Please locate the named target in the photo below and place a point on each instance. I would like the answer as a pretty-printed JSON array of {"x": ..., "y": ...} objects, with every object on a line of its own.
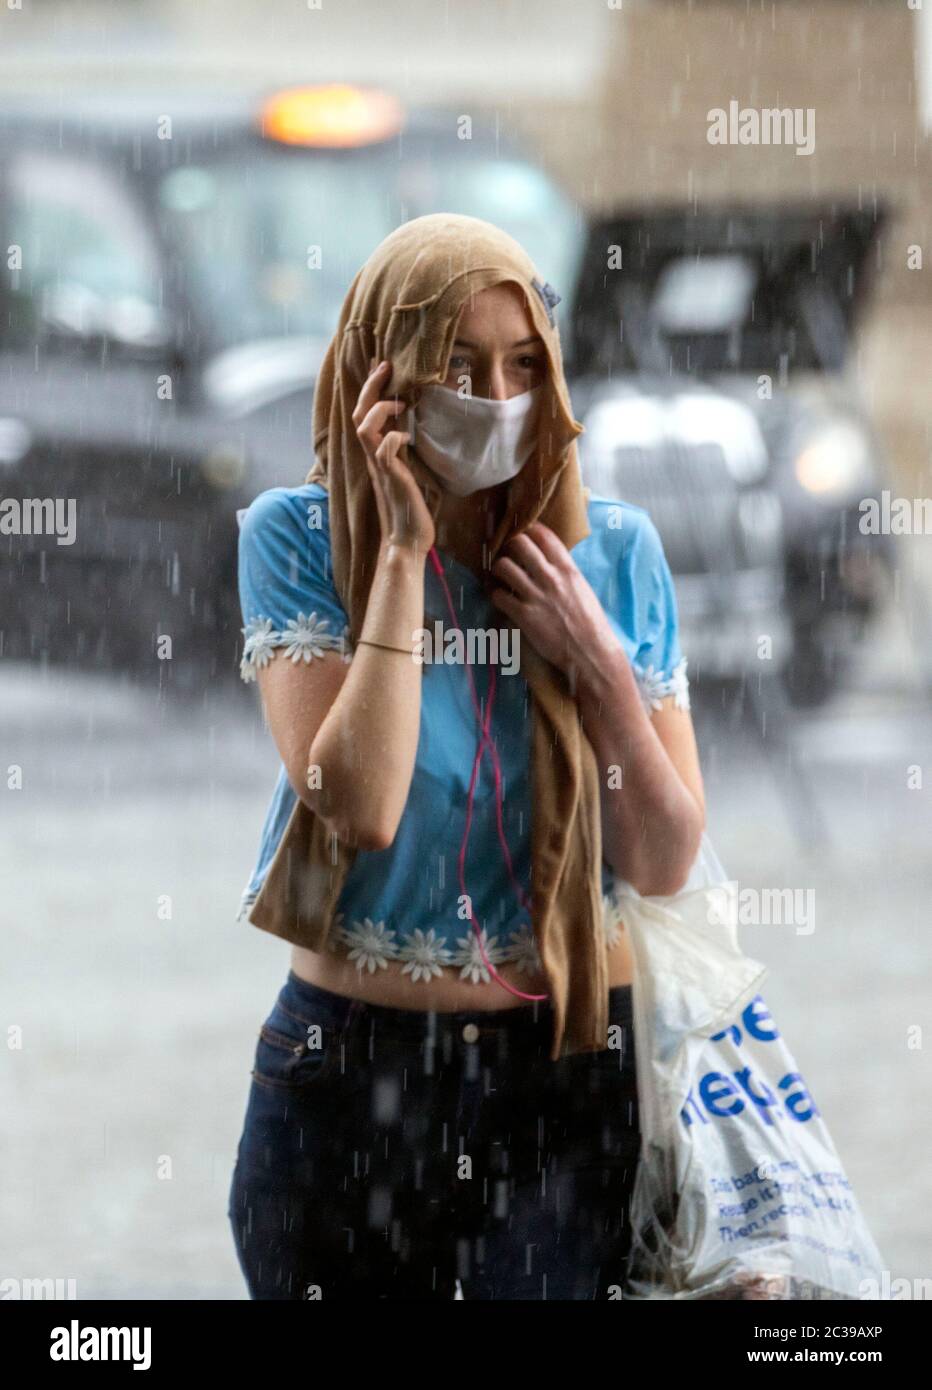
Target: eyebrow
[{"x": 522, "y": 342}]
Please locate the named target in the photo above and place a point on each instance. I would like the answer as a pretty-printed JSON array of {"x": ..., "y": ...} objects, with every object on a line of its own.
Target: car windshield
[
  {"x": 712, "y": 294},
  {"x": 725, "y": 290},
  {"x": 272, "y": 240}
]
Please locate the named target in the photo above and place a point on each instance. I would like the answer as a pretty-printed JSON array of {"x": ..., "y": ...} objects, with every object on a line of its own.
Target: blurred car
[
  {"x": 706, "y": 354},
  {"x": 176, "y": 269}
]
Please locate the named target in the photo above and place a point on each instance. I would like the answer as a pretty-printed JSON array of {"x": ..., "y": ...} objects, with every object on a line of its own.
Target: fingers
[
  {"x": 369, "y": 432},
  {"x": 387, "y": 451},
  {"x": 550, "y": 544},
  {"x": 515, "y": 577},
  {"x": 509, "y": 605},
  {"x": 371, "y": 390},
  {"x": 526, "y": 553},
  {"x": 372, "y": 413}
]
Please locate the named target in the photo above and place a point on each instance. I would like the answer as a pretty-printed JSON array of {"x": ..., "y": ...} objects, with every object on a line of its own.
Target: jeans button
[{"x": 470, "y": 1033}]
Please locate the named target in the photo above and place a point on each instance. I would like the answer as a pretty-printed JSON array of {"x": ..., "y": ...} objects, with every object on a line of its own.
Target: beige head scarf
[{"x": 403, "y": 306}]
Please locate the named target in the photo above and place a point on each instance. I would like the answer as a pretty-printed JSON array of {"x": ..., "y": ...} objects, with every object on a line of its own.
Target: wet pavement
[{"x": 139, "y": 996}]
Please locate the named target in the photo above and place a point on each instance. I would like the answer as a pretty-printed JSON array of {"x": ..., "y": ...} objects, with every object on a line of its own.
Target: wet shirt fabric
[{"x": 404, "y": 903}]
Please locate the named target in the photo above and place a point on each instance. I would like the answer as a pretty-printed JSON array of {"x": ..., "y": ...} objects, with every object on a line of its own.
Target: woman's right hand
[{"x": 403, "y": 514}]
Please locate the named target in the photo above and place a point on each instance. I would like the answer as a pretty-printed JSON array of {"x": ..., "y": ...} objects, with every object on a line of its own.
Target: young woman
[{"x": 471, "y": 670}]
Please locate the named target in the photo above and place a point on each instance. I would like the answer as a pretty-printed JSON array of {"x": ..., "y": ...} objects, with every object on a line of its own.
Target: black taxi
[{"x": 175, "y": 269}]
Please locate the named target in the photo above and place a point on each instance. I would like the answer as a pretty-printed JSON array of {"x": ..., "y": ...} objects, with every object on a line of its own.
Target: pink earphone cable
[{"x": 485, "y": 740}]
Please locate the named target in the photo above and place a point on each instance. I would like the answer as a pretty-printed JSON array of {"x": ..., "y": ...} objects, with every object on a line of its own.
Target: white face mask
[{"x": 472, "y": 442}]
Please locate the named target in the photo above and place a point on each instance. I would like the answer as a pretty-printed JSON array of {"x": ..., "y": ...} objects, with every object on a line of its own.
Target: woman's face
[{"x": 497, "y": 347}]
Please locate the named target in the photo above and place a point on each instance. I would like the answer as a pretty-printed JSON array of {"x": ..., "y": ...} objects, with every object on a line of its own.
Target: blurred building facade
[{"x": 864, "y": 67}]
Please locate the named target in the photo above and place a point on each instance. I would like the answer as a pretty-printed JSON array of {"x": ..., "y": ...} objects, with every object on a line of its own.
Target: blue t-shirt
[{"x": 404, "y": 903}]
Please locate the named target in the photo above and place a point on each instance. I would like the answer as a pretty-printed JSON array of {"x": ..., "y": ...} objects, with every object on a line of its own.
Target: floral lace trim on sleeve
[
  {"x": 246, "y": 904},
  {"x": 655, "y": 686},
  {"x": 302, "y": 637}
]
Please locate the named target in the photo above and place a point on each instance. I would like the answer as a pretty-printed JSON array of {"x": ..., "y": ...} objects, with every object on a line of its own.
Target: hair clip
[{"x": 549, "y": 297}]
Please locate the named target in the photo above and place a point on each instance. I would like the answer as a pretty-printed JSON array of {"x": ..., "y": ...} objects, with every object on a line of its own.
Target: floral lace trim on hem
[
  {"x": 303, "y": 638},
  {"x": 371, "y": 945},
  {"x": 655, "y": 687}
]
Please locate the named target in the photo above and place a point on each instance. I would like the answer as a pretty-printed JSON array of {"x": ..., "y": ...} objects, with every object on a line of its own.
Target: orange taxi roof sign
[{"x": 333, "y": 115}]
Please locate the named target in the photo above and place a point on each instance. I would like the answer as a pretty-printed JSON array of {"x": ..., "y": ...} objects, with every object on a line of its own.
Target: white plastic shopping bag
[{"x": 740, "y": 1192}]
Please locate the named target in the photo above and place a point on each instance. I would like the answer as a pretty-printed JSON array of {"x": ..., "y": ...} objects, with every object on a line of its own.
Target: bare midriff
[{"x": 334, "y": 971}]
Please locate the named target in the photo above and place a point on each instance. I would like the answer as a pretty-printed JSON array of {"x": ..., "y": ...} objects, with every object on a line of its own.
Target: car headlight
[{"x": 836, "y": 462}]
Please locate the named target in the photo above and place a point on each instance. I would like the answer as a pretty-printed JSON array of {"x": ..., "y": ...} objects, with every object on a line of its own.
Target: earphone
[{"x": 486, "y": 739}]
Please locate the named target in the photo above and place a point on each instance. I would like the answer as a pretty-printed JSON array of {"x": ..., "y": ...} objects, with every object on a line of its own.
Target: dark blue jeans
[{"x": 388, "y": 1153}]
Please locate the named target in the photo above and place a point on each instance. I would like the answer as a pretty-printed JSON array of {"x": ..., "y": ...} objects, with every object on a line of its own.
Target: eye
[{"x": 531, "y": 362}]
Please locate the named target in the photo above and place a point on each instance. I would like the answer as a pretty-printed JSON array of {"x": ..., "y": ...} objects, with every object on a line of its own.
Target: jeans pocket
[{"x": 295, "y": 1052}]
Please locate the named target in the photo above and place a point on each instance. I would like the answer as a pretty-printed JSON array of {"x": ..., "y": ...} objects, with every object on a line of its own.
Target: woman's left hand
[
  {"x": 651, "y": 832},
  {"x": 552, "y": 603}
]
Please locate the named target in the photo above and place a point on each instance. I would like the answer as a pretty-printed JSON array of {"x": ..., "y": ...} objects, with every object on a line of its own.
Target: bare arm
[
  {"x": 355, "y": 728},
  {"x": 654, "y": 813},
  {"x": 348, "y": 735}
]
